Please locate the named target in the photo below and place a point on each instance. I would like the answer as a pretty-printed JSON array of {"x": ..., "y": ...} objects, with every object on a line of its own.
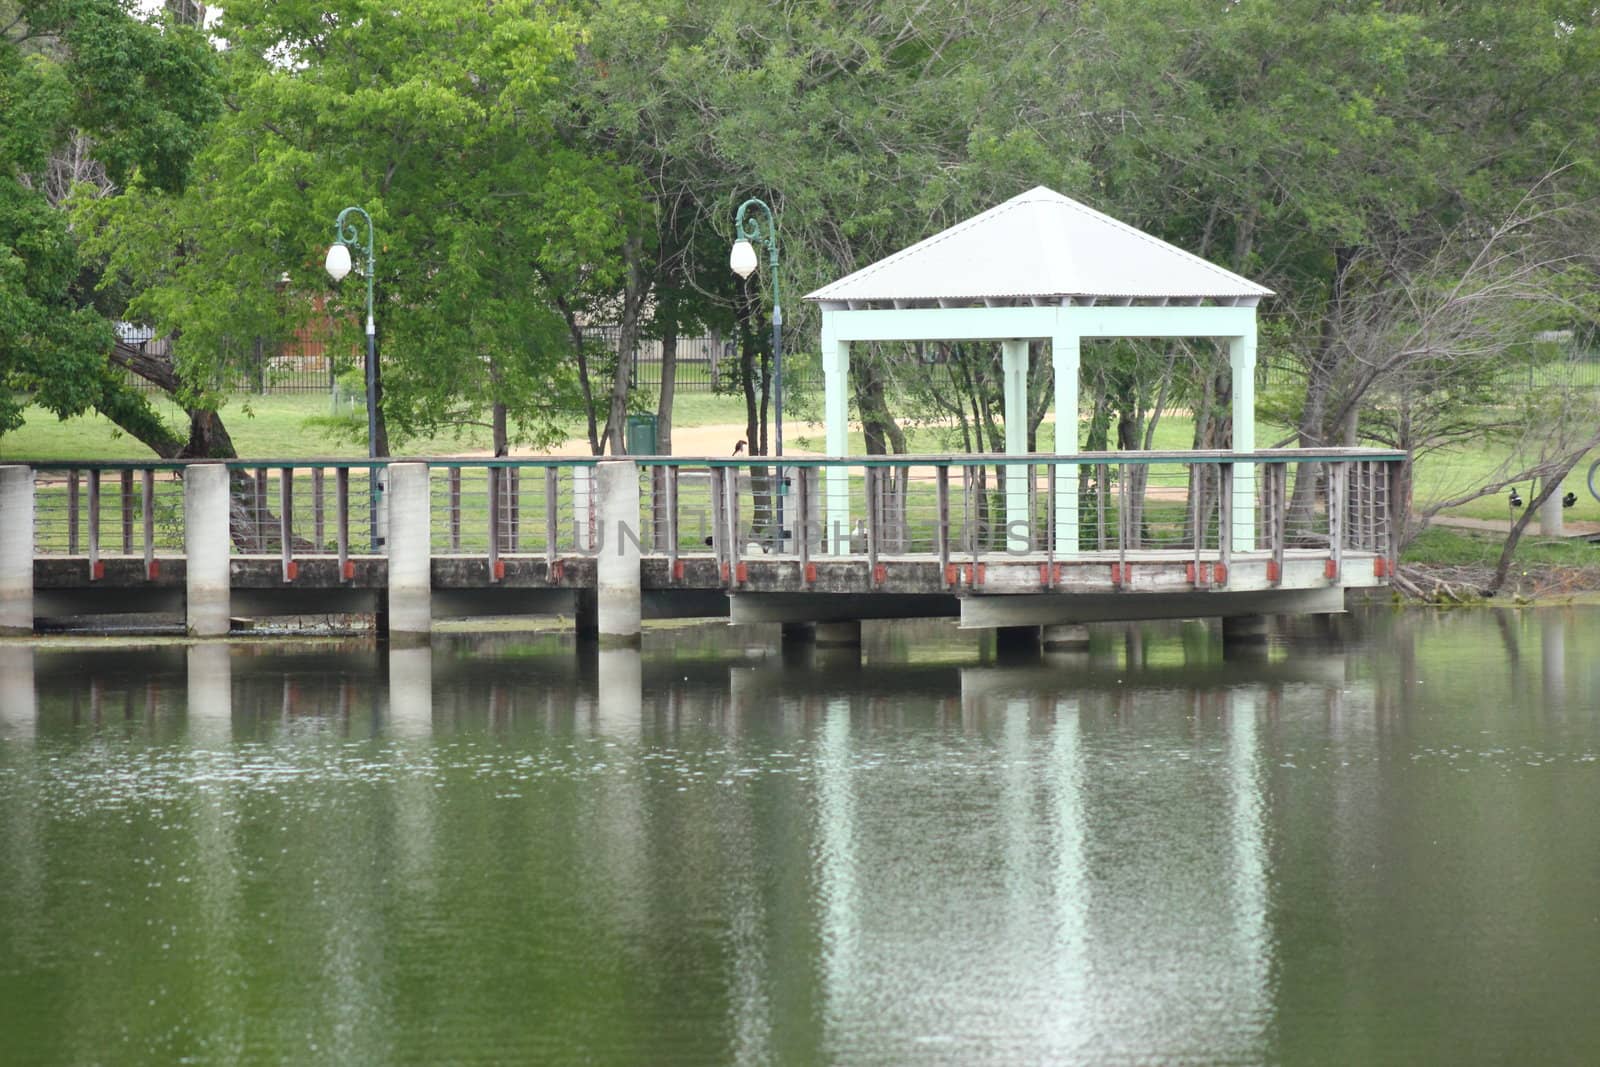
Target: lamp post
[
  {"x": 346, "y": 237},
  {"x": 743, "y": 260}
]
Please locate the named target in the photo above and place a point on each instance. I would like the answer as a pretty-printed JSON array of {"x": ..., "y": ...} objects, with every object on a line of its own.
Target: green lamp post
[
  {"x": 346, "y": 237},
  {"x": 751, "y": 229}
]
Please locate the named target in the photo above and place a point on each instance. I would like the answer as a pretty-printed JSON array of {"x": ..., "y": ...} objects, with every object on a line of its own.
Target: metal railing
[{"x": 1204, "y": 506}]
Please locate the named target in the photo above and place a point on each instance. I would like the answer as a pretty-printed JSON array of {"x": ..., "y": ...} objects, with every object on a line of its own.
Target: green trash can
[{"x": 639, "y": 435}]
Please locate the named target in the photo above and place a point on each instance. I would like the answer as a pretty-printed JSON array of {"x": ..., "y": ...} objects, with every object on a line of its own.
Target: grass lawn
[
  {"x": 285, "y": 426},
  {"x": 294, "y": 426},
  {"x": 1464, "y": 548},
  {"x": 1447, "y": 473}
]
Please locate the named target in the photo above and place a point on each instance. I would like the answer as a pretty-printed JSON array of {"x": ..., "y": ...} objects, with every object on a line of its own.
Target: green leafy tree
[
  {"x": 436, "y": 120},
  {"x": 89, "y": 92}
]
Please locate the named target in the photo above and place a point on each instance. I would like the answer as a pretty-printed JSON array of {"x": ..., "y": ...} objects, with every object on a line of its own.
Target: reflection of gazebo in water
[{"x": 1042, "y": 266}]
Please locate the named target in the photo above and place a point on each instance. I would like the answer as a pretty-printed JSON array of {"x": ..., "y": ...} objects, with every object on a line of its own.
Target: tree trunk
[
  {"x": 1548, "y": 484},
  {"x": 633, "y": 296},
  {"x": 669, "y": 385},
  {"x": 208, "y": 437}
]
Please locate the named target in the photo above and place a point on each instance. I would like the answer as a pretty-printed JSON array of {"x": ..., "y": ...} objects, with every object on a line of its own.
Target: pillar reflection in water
[
  {"x": 619, "y": 706},
  {"x": 210, "y": 695},
  {"x": 19, "y": 705},
  {"x": 1553, "y": 659},
  {"x": 1073, "y": 1027},
  {"x": 411, "y": 692},
  {"x": 836, "y": 869},
  {"x": 1252, "y": 943}
]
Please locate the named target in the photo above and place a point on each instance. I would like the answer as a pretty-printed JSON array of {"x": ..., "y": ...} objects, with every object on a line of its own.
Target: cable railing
[{"x": 1205, "y": 507}]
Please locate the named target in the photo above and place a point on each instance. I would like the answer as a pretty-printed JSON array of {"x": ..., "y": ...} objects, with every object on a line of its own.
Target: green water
[{"x": 1375, "y": 844}]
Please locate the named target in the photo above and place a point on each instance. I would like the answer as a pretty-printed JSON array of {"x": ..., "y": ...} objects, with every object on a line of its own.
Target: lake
[{"x": 1372, "y": 840}]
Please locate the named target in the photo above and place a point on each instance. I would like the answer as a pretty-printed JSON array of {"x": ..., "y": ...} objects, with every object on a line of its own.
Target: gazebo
[{"x": 1041, "y": 266}]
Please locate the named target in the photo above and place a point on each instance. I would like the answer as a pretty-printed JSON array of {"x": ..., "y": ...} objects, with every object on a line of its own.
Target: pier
[{"x": 996, "y": 541}]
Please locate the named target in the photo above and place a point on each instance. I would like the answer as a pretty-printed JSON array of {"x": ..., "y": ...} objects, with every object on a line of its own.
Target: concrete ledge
[
  {"x": 838, "y": 607},
  {"x": 1046, "y": 609}
]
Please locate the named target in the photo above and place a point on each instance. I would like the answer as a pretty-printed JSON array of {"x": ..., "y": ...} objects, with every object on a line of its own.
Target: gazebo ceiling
[{"x": 1039, "y": 248}]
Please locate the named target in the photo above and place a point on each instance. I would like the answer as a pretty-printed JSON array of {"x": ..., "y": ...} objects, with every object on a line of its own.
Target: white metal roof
[{"x": 1039, "y": 245}]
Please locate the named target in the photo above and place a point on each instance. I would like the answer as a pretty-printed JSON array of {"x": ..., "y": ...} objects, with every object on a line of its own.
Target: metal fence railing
[
  {"x": 1117, "y": 506},
  {"x": 310, "y": 362}
]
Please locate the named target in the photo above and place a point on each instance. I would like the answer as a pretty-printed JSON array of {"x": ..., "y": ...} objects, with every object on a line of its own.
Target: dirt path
[{"x": 1502, "y": 526}]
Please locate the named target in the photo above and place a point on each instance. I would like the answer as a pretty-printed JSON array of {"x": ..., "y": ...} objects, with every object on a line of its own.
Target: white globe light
[
  {"x": 742, "y": 259},
  {"x": 338, "y": 263}
]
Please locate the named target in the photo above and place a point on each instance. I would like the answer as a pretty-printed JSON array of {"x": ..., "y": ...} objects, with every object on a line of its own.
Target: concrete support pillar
[
  {"x": 206, "y": 544},
  {"x": 1244, "y": 630},
  {"x": 1552, "y": 523},
  {"x": 1014, "y": 368},
  {"x": 845, "y": 634},
  {"x": 799, "y": 633},
  {"x": 617, "y": 596},
  {"x": 836, "y": 417},
  {"x": 1017, "y": 644},
  {"x": 1066, "y": 637},
  {"x": 1242, "y": 359},
  {"x": 16, "y": 550},
  {"x": 411, "y": 692},
  {"x": 410, "y": 551},
  {"x": 585, "y": 615},
  {"x": 1065, "y": 363}
]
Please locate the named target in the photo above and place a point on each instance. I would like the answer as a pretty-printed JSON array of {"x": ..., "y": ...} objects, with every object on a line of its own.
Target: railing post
[
  {"x": 1337, "y": 472},
  {"x": 341, "y": 507},
  {"x": 552, "y": 515},
  {"x": 72, "y": 513},
  {"x": 94, "y": 524},
  {"x": 206, "y": 543},
  {"x": 410, "y": 550},
  {"x": 494, "y": 522},
  {"x": 1225, "y": 513},
  {"x": 1278, "y": 495},
  {"x": 942, "y": 526},
  {"x": 730, "y": 512},
  {"x": 513, "y": 499},
  {"x": 147, "y": 493},
  {"x": 319, "y": 513},
  {"x": 455, "y": 509},
  {"x": 719, "y": 526},
  {"x": 258, "y": 507},
  {"x": 1197, "y": 530},
  {"x": 670, "y": 477},
  {"x": 1123, "y": 520},
  {"x": 286, "y": 522},
  {"x": 874, "y": 482},
  {"x": 16, "y": 550}
]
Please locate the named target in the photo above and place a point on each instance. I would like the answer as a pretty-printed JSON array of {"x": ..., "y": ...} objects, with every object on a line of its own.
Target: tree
[
  {"x": 91, "y": 94},
  {"x": 439, "y": 125}
]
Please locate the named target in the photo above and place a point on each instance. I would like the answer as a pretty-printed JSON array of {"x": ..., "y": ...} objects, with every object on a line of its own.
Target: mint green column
[
  {"x": 1242, "y": 358},
  {"x": 836, "y": 415},
  {"x": 1014, "y": 367},
  {"x": 1064, "y": 359}
]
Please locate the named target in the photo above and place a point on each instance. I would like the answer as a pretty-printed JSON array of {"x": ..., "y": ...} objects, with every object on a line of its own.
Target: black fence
[
  {"x": 1579, "y": 370},
  {"x": 309, "y": 363}
]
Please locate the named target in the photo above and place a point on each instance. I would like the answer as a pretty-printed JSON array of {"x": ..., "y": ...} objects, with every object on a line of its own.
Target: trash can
[{"x": 639, "y": 435}]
